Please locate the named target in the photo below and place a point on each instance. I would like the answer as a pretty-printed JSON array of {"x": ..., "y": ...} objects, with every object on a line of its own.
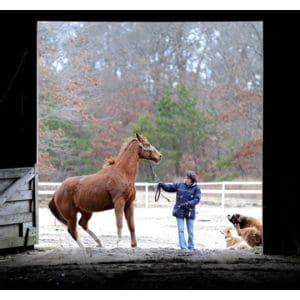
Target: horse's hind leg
[
  {"x": 72, "y": 229},
  {"x": 130, "y": 223},
  {"x": 85, "y": 216}
]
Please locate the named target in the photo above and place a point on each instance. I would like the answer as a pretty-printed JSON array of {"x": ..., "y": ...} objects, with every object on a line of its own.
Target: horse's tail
[{"x": 55, "y": 211}]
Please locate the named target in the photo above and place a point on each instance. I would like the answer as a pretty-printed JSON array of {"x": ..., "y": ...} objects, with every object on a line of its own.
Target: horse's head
[{"x": 147, "y": 151}]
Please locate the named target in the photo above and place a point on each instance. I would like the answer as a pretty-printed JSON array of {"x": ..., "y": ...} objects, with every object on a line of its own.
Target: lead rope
[{"x": 158, "y": 188}]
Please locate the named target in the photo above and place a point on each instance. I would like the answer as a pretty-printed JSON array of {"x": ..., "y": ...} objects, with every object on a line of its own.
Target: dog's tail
[{"x": 55, "y": 212}]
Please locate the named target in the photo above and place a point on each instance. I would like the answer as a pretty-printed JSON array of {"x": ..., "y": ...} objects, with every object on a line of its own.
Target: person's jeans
[{"x": 190, "y": 230}]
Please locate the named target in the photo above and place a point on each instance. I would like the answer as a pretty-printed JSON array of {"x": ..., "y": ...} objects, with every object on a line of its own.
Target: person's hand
[
  {"x": 185, "y": 205},
  {"x": 159, "y": 184}
]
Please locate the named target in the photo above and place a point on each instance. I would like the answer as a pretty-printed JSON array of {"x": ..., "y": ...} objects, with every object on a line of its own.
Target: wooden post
[
  {"x": 223, "y": 195},
  {"x": 146, "y": 195}
]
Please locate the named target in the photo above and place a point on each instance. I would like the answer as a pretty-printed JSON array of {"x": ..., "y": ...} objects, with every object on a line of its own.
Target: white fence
[{"x": 219, "y": 188}]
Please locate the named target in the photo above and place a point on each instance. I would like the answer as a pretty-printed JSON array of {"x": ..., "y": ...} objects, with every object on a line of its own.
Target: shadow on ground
[{"x": 154, "y": 268}]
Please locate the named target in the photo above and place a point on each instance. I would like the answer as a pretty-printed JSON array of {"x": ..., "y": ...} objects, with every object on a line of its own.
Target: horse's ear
[{"x": 138, "y": 137}]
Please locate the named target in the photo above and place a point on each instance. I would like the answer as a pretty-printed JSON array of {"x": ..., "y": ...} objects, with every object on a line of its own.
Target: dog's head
[
  {"x": 235, "y": 218},
  {"x": 227, "y": 232}
]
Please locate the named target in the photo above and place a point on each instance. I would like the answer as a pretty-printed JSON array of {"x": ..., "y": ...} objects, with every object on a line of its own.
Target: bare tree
[{"x": 100, "y": 76}]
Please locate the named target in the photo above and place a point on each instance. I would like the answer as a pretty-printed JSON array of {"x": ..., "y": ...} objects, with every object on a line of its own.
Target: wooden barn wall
[
  {"x": 18, "y": 127},
  {"x": 18, "y": 101},
  {"x": 18, "y": 208}
]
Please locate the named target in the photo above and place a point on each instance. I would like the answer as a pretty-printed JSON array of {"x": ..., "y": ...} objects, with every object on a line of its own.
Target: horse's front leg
[
  {"x": 130, "y": 223},
  {"x": 119, "y": 204}
]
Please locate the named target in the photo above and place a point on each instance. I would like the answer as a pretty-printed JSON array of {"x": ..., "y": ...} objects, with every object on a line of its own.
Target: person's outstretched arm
[{"x": 168, "y": 187}]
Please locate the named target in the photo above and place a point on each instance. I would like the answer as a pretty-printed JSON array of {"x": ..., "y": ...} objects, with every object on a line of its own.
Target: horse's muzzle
[{"x": 158, "y": 161}]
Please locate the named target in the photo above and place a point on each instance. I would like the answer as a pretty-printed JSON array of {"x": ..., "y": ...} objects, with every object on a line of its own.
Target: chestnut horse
[{"x": 111, "y": 187}]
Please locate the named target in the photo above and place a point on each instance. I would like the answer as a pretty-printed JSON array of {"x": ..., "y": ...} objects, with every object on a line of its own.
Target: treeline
[{"x": 194, "y": 89}]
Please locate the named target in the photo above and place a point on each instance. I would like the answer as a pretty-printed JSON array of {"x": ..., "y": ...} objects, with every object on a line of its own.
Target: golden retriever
[
  {"x": 249, "y": 228},
  {"x": 234, "y": 242}
]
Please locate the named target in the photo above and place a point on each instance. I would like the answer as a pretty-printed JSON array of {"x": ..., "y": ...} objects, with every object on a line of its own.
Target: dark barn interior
[{"x": 281, "y": 221}]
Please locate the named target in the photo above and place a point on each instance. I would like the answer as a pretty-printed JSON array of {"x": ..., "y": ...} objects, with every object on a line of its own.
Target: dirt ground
[
  {"x": 155, "y": 228},
  {"x": 157, "y": 263}
]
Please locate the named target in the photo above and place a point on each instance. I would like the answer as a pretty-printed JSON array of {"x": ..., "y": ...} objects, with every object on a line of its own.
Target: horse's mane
[
  {"x": 112, "y": 160},
  {"x": 126, "y": 144},
  {"x": 108, "y": 162}
]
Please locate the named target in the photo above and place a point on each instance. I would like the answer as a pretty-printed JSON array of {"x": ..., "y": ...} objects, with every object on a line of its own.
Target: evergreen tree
[{"x": 180, "y": 131}]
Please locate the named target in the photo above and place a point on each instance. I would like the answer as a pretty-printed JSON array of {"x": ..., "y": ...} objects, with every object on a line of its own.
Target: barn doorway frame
[{"x": 280, "y": 206}]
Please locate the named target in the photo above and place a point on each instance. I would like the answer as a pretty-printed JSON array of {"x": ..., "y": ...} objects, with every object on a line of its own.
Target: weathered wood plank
[
  {"x": 23, "y": 227},
  {"x": 15, "y": 207},
  {"x": 5, "y": 183},
  {"x": 16, "y": 242},
  {"x": 14, "y": 172},
  {"x": 20, "y": 196},
  {"x": 17, "y": 185},
  {"x": 12, "y": 230},
  {"x": 18, "y": 207},
  {"x": 16, "y": 218},
  {"x": 35, "y": 205}
]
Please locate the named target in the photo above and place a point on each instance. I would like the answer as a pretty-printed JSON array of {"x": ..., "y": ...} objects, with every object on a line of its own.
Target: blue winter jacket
[{"x": 186, "y": 194}]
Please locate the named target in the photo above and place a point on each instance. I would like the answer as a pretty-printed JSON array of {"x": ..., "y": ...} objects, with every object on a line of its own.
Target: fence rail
[{"x": 221, "y": 190}]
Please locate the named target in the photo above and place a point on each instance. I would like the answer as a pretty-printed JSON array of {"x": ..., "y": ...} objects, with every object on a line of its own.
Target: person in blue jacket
[{"x": 187, "y": 197}]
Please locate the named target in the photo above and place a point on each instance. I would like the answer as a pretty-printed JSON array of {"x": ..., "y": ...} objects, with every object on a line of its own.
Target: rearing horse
[{"x": 111, "y": 187}]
